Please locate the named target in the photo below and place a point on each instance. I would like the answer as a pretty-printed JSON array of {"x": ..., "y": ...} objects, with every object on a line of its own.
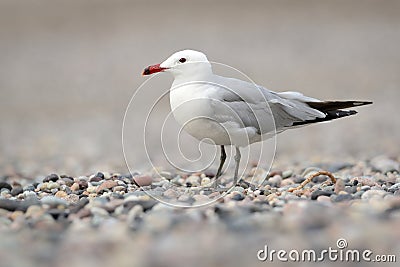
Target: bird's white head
[{"x": 189, "y": 63}]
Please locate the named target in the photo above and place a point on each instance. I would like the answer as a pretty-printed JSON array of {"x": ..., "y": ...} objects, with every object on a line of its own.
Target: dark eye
[{"x": 182, "y": 60}]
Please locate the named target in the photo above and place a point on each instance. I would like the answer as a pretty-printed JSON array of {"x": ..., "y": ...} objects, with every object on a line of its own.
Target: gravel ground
[{"x": 105, "y": 219}]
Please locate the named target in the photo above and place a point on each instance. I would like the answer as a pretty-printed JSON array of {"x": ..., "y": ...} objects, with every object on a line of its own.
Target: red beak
[{"x": 153, "y": 69}]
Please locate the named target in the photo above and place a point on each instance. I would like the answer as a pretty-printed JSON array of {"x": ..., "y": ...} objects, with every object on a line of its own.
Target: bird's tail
[
  {"x": 325, "y": 106},
  {"x": 333, "y": 110}
]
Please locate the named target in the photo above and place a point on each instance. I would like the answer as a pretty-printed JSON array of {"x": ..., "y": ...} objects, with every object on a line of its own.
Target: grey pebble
[
  {"x": 238, "y": 189},
  {"x": 384, "y": 164},
  {"x": 146, "y": 202},
  {"x": 287, "y": 174},
  {"x": 317, "y": 193},
  {"x": 53, "y": 201},
  {"x": 373, "y": 193},
  {"x": 365, "y": 188},
  {"x": 298, "y": 179},
  {"x": 68, "y": 181},
  {"x": 16, "y": 191},
  {"x": 341, "y": 197},
  {"x": 275, "y": 181},
  {"x": 351, "y": 189},
  {"x": 358, "y": 194},
  {"x": 238, "y": 196},
  {"x": 12, "y": 205},
  {"x": 334, "y": 167},
  {"x": 79, "y": 205},
  {"x": 97, "y": 211},
  {"x": 394, "y": 188},
  {"x": 5, "y": 185},
  {"x": 330, "y": 188},
  {"x": 166, "y": 175}
]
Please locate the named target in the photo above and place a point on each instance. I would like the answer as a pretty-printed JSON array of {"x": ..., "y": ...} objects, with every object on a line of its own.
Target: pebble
[
  {"x": 186, "y": 199},
  {"x": 287, "y": 182},
  {"x": 52, "y": 177},
  {"x": 339, "y": 186},
  {"x": 53, "y": 201},
  {"x": 143, "y": 180},
  {"x": 201, "y": 199},
  {"x": 29, "y": 187},
  {"x": 323, "y": 198},
  {"x": 237, "y": 196},
  {"x": 97, "y": 211},
  {"x": 119, "y": 188},
  {"x": 83, "y": 184},
  {"x": 365, "y": 187},
  {"x": 68, "y": 181},
  {"x": 61, "y": 194},
  {"x": 34, "y": 211},
  {"x": 238, "y": 189},
  {"x": 391, "y": 189},
  {"x": 106, "y": 185},
  {"x": 166, "y": 175},
  {"x": 16, "y": 191},
  {"x": 341, "y": 197},
  {"x": 385, "y": 164},
  {"x": 317, "y": 193},
  {"x": 75, "y": 187},
  {"x": 95, "y": 179},
  {"x": 373, "y": 193},
  {"x": 193, "y": 180},
  {"x": 5, "y": 185},
  {"x": 275, "y": 181},
  {"x": 205, "y": 181},
  {"x": 287, "y": 174},
  {"x": 52, "y": 185},
  {"x": 170, "y": 193},
  {"x": 14, "y": 215},
  {"x": 145, "y": 202}
]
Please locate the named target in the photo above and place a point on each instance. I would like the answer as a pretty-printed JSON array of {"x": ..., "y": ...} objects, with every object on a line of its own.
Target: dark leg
[
  {"x": 237, "y": 160},
  {"x": 221, "y": 164}
]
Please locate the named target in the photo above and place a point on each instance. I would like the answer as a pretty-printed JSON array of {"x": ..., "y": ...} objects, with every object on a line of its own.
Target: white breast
[{"x": 194, "y": 108}]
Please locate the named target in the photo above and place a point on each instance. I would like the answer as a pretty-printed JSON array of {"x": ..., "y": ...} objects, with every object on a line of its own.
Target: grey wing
[
  {"x": 264, "y": 110},
  {"x": 245, "y": 115}
]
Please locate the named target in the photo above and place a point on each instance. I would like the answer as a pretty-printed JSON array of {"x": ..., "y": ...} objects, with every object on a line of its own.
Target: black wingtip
[
  {"x": 330, "y": 115},
  {"x": 361, "y": 103},
  {"x": 325, "y": 106}
]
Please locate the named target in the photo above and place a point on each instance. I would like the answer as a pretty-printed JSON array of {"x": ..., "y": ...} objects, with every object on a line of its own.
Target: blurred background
[{"x": 69, "y": 68}]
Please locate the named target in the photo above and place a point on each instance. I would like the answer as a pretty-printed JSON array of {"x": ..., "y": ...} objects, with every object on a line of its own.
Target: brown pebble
[
  {"x": 96, "y": 179},
  {"x": 61, "y": 194},
  {"x": 339, "y": 186},
  {"x": 275, "y": 172},
  {"x": 75, "y": 187},
  {"x": 14, "y": 215},
  {"x": 83, "y": 184},
  {"x": 288, "y": 181},
  {"x": 72, "y": 198},
  {"x": 143, "y": 180},
  {"x": 108, "y": 184}
]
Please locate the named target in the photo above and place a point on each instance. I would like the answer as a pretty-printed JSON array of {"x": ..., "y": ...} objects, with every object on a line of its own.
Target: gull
[{"x": 229, "y": 111}]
